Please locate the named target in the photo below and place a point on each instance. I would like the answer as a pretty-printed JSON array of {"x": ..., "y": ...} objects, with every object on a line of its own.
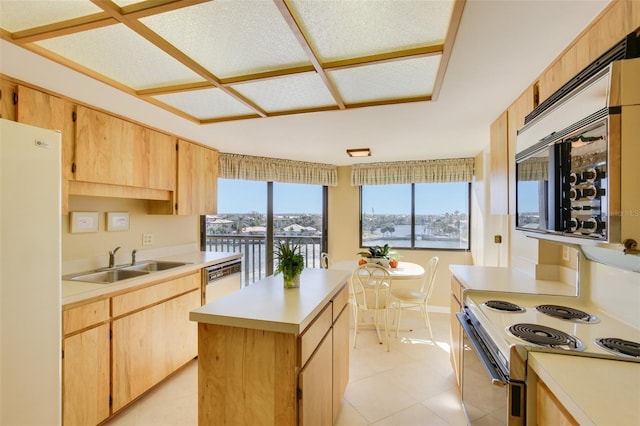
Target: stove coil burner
[
  {"x": 546, "y": 336},
  {"x": 501, "y": 305},
  {"x": 619, "y": 346},
  {"x": 566, "y": 313}
]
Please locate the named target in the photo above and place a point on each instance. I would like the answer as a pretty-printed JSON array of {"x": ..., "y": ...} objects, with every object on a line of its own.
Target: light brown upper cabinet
[
  {"x": 500, "y": 166},
  {"x": 113, "y": 151},
  {"x": 197, "y": 179},
  {"x": 7, "y": 93}
]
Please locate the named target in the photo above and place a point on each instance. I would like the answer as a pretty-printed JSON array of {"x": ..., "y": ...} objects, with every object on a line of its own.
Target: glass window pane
[
  {"x": 297, "y": 218},
  {"x": 442, "y": 215},
  {"x": 241, "y": 224},
  {"x": 386, "y": 215}
]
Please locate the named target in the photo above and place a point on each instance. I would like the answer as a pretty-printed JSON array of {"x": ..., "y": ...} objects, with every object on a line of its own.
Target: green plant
[
  {"x": 376, "y": 252},
  {"x": 290, "y": 260}
]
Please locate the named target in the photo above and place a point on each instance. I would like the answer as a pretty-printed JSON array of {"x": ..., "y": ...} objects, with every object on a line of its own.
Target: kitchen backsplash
[{"x": 166, "y": 231}]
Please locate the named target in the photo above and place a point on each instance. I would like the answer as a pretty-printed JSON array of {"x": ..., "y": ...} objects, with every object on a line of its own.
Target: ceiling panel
[
  {"x": 120, "y": 54},
  {"x": 344, "y": 29},
  {"x": 20, "y": 15},
  {"x": 389, "y": 80},
  {"x": 230, "y": 37},
  {"x": 206, "y": 104},
  {"x": 299, "y": 92}
]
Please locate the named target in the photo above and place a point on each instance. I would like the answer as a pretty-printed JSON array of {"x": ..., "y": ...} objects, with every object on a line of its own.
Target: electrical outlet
[
  {"x": 147, "y": 239},
  {"x": 565, "y": 253}
]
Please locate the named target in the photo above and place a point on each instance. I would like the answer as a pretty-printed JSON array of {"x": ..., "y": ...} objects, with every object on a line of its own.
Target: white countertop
[
  {"x": 77, "y": 291},
  {"x": 594, "y": 391},
  {"x": 491, "y": 278},
  {"x": 267, "y": 305}
]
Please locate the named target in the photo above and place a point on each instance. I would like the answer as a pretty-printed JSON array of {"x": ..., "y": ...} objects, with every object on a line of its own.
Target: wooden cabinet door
[
  {"x": 159, "y": 152},
  {"x": 150, "y": 344},
  {"x": 340, "y": 359},
  {"x": 85, "y": 369},
  {"x": 197, "y": 179},
  {"x": 499, "y": 166},
  {"x": 549, "y": 410},
  {"x": 113, "y": 151},
  {"x": 104, "y": 148},
  {"x": 316, "y": 405},
  {"x": 7, "y": 107}
]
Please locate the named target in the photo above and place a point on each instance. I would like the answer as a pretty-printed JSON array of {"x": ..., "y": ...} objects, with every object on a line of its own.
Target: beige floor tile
[{"x": 416, "y": 415}]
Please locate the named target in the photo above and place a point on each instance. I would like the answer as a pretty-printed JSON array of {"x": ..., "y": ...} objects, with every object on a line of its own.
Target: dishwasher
[{"x": 222, "y": 279}]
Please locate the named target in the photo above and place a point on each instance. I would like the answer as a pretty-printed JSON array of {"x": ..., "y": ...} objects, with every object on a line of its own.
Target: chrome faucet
[
  {"x": 133, "y": 257},
  {"x": 112, "y": 257}
]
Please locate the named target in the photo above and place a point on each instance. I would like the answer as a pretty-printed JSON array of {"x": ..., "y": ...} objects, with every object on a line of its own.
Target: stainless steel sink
[
  {"x": 123, "y": 272},
  {"x": 106, "y": 277},
  {"x": 153, "y": 266}
]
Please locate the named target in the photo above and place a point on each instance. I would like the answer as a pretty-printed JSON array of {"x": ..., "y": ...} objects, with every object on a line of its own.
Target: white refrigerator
[{"x": 30, "y": 275}]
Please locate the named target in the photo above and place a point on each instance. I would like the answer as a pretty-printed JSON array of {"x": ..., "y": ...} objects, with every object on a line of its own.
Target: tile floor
[{"x": 411, "y": 385}]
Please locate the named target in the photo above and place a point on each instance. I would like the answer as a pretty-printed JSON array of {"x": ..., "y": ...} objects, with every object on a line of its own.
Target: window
[
  {"x": 253, "y": 214},
  {"x": 420, "y": 215}
]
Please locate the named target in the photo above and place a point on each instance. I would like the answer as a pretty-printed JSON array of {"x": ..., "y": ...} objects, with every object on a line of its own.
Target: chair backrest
[
  {"x": 430, "y": 270},
  {"x": 370, "y": 286},
  {"x": 325, "y": 260}
]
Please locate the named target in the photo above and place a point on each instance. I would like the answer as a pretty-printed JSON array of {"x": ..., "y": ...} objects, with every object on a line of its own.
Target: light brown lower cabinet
[
  {"x": 549, "y": 410},
  {"x": 118, "y": 348},
  {"x": 316, "y": 402},
  {"x": 86, "y": 377},
  {"x": 150, "y": 344}
]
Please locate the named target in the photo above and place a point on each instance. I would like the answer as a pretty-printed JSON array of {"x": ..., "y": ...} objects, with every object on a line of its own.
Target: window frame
[{"x": 413, "y": 222}]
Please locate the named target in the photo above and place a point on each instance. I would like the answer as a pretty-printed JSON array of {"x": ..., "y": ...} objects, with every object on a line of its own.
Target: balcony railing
[{"x": 253, "y": 249}]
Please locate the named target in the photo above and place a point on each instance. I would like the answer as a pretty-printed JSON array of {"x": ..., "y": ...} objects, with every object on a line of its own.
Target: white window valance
[
  {"x": 427, "y": 171},
  {"x": 247, "y": 167}
]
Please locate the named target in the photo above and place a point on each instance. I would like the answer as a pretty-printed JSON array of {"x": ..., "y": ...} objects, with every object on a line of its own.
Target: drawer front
[
  {"x": 339, "y": 301},
  {"x": 312, "y": 336},
  {"x": 85, "y": 316},
  {"x": 147, "y": 296}
]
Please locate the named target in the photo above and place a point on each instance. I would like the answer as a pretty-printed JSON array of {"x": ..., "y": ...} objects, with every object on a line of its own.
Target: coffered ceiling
[
  {"x": 272, "y": 60},
  {"x": 212, "y": 61}
]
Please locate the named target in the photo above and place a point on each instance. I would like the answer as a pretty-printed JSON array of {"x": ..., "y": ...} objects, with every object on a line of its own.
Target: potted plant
[
  {"x": 377, "y": 254},
  {"x": 290, "y": 263}
]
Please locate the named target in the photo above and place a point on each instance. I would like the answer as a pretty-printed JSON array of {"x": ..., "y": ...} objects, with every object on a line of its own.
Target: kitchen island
[{"x": 274, "y": 356}]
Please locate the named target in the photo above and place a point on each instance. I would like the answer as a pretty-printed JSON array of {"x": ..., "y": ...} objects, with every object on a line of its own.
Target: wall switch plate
[{"x": 147, "y": 239}]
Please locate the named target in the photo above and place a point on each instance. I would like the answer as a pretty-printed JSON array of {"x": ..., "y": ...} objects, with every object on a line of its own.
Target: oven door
[{"x": 488, "y": 395}]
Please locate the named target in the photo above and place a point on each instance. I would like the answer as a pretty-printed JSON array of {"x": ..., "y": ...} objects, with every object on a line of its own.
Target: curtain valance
[
  {"x": 427, "y": 171},
  {"x": 237, "y": 166}
]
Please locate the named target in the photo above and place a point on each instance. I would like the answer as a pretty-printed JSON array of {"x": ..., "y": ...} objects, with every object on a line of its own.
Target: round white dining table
[{"x": 404, "y": 271}]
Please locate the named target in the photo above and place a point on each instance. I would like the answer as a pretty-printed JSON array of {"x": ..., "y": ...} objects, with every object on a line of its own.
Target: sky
[{"x": 235, "y": 196}]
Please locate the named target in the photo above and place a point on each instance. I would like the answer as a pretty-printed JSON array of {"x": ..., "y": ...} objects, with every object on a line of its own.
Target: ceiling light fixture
[{"x": 359, "y": 152}]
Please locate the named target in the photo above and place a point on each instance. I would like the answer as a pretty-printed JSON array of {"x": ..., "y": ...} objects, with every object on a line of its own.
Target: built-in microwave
[
  {"x": 562, "y": 182},
  {"x": 577, "y": 163}
]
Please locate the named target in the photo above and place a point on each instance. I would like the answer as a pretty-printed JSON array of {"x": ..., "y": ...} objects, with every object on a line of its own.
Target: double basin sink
[{"x": 119, "y": 273}]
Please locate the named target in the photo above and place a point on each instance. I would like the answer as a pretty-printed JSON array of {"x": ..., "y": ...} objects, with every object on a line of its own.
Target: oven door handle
[{"x": 496, "y": 377}]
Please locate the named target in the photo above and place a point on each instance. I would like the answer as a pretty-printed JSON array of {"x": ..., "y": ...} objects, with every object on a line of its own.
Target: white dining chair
[
  {"x": 412, "y": 298},
  {"x": 371, "y": 287}
]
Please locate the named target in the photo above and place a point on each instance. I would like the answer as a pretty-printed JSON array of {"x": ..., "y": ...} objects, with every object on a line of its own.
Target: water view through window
[
  {"x": 439, "y": 218},
  {"x": 242, "y": 224}
]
